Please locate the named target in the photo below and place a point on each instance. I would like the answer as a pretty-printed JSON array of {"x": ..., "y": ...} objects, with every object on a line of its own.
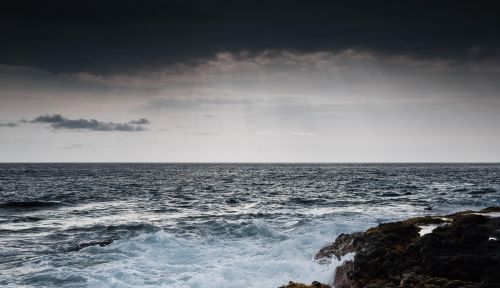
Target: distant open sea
[{"x": 209, "y": 225}]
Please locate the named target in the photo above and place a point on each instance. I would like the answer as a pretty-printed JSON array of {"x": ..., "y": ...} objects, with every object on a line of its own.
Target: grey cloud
[
  {"x": 282, "y": 66},
  {"x": 142, "y": 121},
  {"x": 56, "y": 118},
  {"x": 57, "y": 121},
  {"x": 8, "y": 124}
]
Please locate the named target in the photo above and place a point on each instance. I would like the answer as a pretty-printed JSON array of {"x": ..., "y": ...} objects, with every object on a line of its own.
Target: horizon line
[{"x": 257, "y": 162}]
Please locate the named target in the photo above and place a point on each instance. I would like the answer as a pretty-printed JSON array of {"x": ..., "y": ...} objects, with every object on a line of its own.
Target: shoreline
[{"x": 456, "y": 250}]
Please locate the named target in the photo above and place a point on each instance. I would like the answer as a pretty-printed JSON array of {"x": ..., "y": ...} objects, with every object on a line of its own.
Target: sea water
[{"x": 209, "y": 225}]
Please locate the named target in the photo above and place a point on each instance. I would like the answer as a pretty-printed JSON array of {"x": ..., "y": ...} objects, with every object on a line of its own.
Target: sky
[{"x": 249, "y": 81}]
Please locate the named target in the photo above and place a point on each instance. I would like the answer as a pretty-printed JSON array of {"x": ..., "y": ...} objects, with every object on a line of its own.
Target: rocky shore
[{"x": 458, "y": 250}]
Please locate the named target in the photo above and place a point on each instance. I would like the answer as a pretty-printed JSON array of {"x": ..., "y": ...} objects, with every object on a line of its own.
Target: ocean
[{"x": 209, "y": 225}]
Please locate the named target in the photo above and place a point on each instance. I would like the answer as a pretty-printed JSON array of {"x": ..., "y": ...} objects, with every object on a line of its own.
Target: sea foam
[
  {"x": 162, "y": 259},
  {"x": 264, "y": 258}
]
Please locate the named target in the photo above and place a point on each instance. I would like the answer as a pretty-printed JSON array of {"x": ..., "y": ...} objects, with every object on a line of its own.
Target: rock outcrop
[
  {"x": 101, "y": 243},
  {"x": 314, "y": 284},
  {"x": 462, "y": 251}
]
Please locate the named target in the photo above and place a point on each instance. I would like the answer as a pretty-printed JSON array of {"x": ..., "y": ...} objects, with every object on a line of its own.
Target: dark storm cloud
[
  {"x": 109, "y": 36},
  {"x": 57, "y": 121}
]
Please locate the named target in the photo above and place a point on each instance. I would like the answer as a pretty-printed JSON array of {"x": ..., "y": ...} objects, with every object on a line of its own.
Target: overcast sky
[{"x": 250, "y": 81}]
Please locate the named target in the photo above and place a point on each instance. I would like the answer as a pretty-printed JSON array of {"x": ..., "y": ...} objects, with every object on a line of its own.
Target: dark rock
[
  {"x": 344, "y": 244},
  {"x": 314, "y": 284},
  {"x": 459, "y": 253},
  {"x": 101, "y": 243},
  {"x": 491, "y": 209},
  {"x": 343, "y": 275}
]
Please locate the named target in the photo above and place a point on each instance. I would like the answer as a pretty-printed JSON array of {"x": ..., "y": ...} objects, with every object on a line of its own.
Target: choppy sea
[{"x": 209, "y": 225}]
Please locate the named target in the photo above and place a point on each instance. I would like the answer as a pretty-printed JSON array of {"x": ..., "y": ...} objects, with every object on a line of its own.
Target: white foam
[
  {"x": 161, "y": 259},
  {"x": 426, "y": 229},
  {"x": 489, "y": 214},
  {"x": 257, "y": 254}
]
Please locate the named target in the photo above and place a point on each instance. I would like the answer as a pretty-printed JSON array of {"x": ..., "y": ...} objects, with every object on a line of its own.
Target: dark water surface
[{"x": 209, "y": 225}]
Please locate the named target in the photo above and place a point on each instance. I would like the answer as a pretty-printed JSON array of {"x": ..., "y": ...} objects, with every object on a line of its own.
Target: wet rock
[
  {"x": 314, "y": 284},
  {"x": 458, "y": 253},
  {"x": 344, "y": 244},
  {"x": 490, "y": 209},
  {"x": 101, "y": 243},
  {"x": 318, "y": 284},
  {"x": 343, "y": 275}
]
